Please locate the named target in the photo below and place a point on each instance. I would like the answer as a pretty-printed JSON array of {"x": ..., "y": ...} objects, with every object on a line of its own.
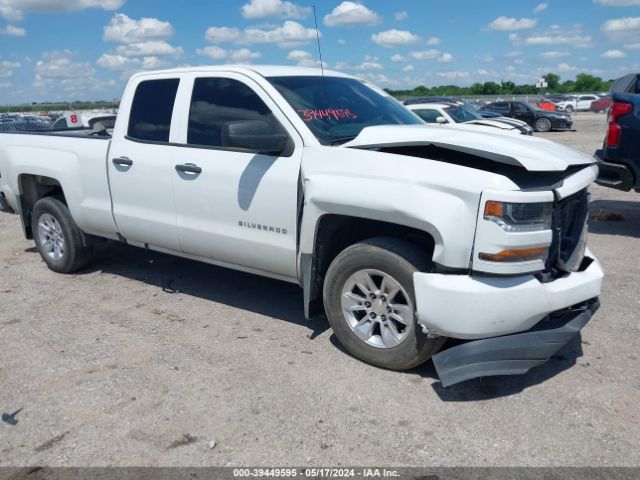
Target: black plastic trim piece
[
  {"x": 513, "y": 354},
  {"x": 615, "y": 175},
  {"x": 4, "y": 206}
]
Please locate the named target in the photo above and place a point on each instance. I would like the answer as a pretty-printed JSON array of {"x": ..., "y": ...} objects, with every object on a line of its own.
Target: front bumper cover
[
  {"x": 471, "y": 307},
  {"x": 513, "y": 354}
]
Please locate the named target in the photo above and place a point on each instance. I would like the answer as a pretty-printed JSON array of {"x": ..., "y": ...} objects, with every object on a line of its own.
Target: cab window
[
  {"x": 151, "y": 110},
  {"x": 219, "y": 101}
]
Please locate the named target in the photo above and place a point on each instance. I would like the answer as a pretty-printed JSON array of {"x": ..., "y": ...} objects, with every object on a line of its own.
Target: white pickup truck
[{"x": 406, "y": 233}]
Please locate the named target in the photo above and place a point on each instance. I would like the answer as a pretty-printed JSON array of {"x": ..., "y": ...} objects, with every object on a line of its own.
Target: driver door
[{"x": 234, "y": 206}]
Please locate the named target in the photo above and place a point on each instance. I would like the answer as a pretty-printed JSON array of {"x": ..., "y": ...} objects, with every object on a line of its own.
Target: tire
[
  {"x": 62, "y": 245},
  {"x": 569, "y": 109},
  {"x": 396, "y": 260},
  {"x": 543, "y": 125}
]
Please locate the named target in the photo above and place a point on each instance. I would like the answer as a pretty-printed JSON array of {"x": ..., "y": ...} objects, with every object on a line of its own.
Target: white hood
[{"x": 532, "y": 153}]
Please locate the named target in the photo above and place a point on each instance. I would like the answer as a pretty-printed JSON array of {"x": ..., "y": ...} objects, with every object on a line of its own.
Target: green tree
[
  {"x": 588, "y": 83},
  {"x": 553, "y": 81}
]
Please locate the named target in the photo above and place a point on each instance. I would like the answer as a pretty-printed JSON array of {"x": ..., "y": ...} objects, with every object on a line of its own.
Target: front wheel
[
  {"x": 62, "y": 245},
  {"x": 543, "y": 125},
  {"x": 370, "y": 303},
  {"x": 569, "y": 109}
]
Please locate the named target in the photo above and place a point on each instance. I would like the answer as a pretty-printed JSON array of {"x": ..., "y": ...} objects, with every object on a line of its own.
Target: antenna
[
  {"x": 315, "y": 19},
  {"x": 324, "y": 88}
]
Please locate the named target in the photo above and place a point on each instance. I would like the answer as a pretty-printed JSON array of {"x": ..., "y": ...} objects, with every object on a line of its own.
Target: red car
[{"x": 601, "y": 105}]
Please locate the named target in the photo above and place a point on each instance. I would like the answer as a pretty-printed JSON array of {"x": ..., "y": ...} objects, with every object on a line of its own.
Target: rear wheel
[
  {"x": 62, "y": 245},
  {"x": 543, "y": 125},
  {"x": 370, "y": 303}
]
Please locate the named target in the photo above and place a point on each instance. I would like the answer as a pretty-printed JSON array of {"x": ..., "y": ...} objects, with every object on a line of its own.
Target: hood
[{"x": 531, "y": 153}]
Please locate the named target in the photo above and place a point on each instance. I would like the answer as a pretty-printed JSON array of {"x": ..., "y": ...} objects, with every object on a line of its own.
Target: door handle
[
  {"x": 188, "y": 168},
  {"x": 122, "y": 161}
]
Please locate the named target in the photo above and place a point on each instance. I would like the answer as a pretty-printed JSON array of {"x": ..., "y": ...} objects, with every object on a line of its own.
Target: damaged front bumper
[{"x": 513, "y": 354}]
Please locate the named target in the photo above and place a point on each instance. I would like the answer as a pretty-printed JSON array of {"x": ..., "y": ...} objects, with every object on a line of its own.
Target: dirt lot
[{"x": 145, "y": 361}]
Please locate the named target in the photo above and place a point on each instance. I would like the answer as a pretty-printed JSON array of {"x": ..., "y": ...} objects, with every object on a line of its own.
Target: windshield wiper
[{"x": 341, "y": 140}]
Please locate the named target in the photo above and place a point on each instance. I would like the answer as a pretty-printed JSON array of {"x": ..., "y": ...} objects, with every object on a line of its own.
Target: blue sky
[{"x": 86, "y": 49}]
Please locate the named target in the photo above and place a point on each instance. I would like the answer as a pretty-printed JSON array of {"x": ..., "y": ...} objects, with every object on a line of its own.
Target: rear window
[{"x": 152, "y": 108}]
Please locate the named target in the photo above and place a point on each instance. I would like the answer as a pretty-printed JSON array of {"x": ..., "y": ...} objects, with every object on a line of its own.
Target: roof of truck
[{"x": 263, "y": 70}]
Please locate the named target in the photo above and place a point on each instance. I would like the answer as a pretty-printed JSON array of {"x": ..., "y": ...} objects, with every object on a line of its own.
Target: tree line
[{"x": 583, "y": 83}]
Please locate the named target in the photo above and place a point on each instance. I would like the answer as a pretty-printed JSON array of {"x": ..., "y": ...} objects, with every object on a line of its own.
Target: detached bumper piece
[
  {"x": 615, "y": 175},
  {"x": 513, "y": 354},
  {"x": 4, "y": 206}
]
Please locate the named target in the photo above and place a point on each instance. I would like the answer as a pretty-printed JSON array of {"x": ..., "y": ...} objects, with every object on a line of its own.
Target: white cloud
[
  {"x": 122, "y": 29},
  {"x": 214, "y": 52},
  {"x": 274, "y": 8},
  {"x": 394, "y": 38},
  {"x": 507, "y": 23},
  {"x": 16, "y": 9},
  {"x": 408, "y": 68},
  {"x": 554, "y": 54},
  {"x": 396, "y": 57},
  {"x": 565, "y": 68},
  {"x": 446, "y": 58},
  {"x": 369, "y": 66},
  {"x": 401, "y": 16},
  {"x": 13, "y": 31},
  {"x": 242, "y": 55},
  {"x": 453, "y": 74},
  {"x": 351, "y": 13},
  {"x": 432, "y": 41},
  {"x": 557, "y": 35},
  {"x": 622, "y": 26},
  {"x": 425, "y": 54},
  {"x": 112, "y": 61},
  {"x": 305, "y": 59},
  {"x": 290, "y": 34},
  {"x": 153, "y": 63},
  {"x": 613, "y": 54},
  {"x": 341, "y": 41},
  {"x": 223, "y": 34},
  {"x": 150, "y": 48},
  {"x": 482, "y": 72},
  {"x": 7, "y": 68},
  {"x": 617, "y": 3},
  {"x": 633, "y": 46},
  {"x": 541, "y": 7}
]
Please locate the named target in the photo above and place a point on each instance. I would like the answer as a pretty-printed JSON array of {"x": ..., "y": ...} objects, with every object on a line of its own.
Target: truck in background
[{"x": 619, "y": 157}]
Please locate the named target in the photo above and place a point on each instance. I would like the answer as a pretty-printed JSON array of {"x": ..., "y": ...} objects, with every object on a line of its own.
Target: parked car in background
[
  {"x": 545, "y": 104},
  {"x": 580, "y": 103},
  {"x": 24, "y": 123},
  {"x": 539, "y": 120},
  {"x": 455, "y": 114},
  {"x": 601, "y": 105},
  {"x": 619, "y": 157}
]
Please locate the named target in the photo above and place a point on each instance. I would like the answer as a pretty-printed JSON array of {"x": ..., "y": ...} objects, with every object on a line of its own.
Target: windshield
[
  {"x": 337, "y": 109},
  {"x": 462, "y": 114}
]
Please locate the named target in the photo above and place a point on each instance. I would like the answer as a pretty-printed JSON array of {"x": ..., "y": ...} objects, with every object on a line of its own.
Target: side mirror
[
  {"x": 441, "y": 120},
  {"x": 254, "y": 135}
]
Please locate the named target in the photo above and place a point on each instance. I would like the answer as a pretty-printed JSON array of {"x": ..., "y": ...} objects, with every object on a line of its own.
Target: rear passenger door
[
  {"x": 235, "y": 206},
  {"x": 140, "y": 165}
]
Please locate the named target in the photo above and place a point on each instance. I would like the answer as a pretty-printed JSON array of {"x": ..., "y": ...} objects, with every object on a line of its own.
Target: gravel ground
[{"x": 146, "y": 360}]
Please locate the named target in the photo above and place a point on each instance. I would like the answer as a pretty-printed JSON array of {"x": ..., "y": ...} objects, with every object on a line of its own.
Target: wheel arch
[
  {"x": 31, "y": 189},
  {"x": 335, "y": 232}
]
